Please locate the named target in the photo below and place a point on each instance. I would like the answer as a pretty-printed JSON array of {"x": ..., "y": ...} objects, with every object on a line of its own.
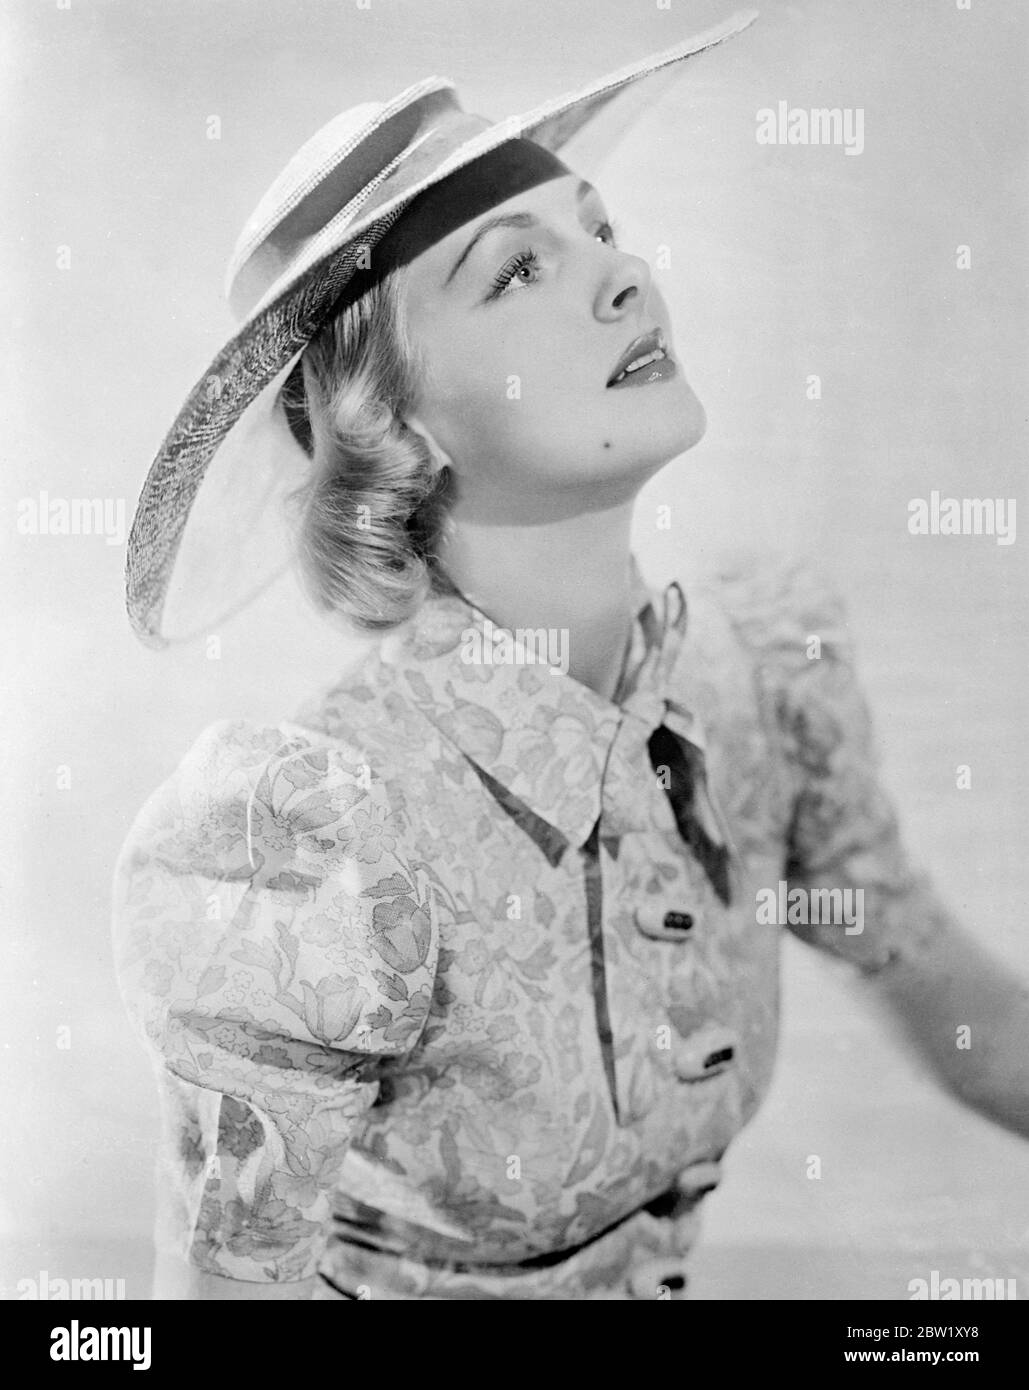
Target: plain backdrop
[{"x": 785, "y": 262}]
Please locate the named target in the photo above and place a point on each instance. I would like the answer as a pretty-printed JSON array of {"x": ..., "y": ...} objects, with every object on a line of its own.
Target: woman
[{"x": 461, "y": 981}]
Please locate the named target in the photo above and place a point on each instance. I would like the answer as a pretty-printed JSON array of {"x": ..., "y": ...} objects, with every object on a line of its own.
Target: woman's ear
[{"x": 440, "y": 457}]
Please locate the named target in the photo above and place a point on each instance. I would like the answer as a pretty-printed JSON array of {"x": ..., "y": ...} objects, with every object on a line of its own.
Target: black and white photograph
[{"x": 515, "y": 647}]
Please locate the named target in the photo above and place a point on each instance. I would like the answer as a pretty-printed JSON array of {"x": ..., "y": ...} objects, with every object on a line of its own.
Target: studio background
[{"x": 785, "y": 262}]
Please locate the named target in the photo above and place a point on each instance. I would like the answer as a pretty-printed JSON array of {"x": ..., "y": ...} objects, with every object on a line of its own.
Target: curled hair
[{"x": 372, "y": 511}]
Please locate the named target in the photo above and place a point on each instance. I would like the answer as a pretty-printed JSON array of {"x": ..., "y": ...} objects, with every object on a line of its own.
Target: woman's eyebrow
[
  {"x": 492, "y": 224},
  {"x": 510, "y": 219}
]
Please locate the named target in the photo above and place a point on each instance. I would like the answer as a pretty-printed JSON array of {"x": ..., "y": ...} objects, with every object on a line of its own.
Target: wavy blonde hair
[{"x": 371, "y": 515}]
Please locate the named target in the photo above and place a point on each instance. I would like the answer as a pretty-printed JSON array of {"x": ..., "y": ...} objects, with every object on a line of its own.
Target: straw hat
[{"x": 210, "y": 530}]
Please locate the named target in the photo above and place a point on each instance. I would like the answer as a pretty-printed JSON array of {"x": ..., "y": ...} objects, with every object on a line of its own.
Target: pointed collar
[{"x": 539, "y": 732}]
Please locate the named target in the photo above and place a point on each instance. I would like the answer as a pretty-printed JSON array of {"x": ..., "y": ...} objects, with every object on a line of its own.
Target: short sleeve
[
  {"x": 859, "y": 896},
  {"x": 273, "y": 945}
]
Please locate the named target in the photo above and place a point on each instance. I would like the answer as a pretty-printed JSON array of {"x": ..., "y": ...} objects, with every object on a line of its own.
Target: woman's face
[{"x": 521, "y": 329}]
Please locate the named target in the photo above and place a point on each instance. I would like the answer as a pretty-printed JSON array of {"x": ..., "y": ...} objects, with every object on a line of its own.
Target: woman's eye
[
  {"x": 523, "y": 268},
  {"x": 520, "y": 270}
]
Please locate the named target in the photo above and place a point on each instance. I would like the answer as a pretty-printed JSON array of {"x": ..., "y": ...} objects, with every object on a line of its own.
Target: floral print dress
[{"x": 458, "y": 984}]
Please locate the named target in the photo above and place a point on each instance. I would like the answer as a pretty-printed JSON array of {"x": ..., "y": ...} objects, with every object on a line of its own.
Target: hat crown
[{"x": 329, "y": 171}]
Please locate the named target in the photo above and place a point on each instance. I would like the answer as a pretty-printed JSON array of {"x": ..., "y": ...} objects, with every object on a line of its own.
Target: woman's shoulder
[
  {"x": 243, "y": 744},
  {"x": 781, "y": 625},
  {"x": 274, "y": 855},
  {"x": 234, "y": 762},
  {"x": 246, "y": 792}
]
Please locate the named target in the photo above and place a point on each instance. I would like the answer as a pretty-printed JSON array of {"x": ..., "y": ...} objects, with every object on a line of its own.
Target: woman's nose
[{"x": 624, "y": 288}]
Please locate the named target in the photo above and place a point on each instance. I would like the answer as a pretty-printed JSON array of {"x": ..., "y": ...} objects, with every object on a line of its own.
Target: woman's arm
[
  {"x": 963, "y": 1011},
  {"x": 250, "y": 954},
  {"x": 968, "y": 1016}
]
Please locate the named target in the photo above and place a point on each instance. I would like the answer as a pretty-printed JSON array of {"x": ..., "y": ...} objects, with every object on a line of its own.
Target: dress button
[
  {"x": 664, "y": 1278},
  {"x": 707, "y": 1052},
  {"x": 677, "y": 921},
  {"x": 665, "y": 925},
  {"x": 699, "y": 1178}
]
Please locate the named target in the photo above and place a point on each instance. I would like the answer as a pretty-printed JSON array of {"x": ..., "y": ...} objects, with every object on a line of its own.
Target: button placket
[
  {"x": 634, "y": 809},
  {"x": 702, "y": 1047}
]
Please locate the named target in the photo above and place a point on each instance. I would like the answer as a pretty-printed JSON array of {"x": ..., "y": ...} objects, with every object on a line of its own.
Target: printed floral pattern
[{"x": 395, "y": 959}]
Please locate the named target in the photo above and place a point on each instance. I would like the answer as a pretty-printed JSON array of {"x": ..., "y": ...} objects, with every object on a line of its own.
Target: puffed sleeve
[
  {"x": 844, "y": 849},
  {"x": 273, "y": 945}
]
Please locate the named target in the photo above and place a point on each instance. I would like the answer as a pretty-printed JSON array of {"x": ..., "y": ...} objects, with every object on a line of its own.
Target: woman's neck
[{"x": 571, "y": 577}]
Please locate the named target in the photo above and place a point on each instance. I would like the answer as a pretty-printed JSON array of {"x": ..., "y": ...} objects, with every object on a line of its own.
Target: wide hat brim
[{"x": 211, "y": 528}]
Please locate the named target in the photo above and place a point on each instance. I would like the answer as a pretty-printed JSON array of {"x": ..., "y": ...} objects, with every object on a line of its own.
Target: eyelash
[{"x": 529, "y": 257}]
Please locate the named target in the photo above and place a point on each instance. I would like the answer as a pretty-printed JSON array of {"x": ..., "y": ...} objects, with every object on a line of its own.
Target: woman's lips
[{"x": 660, "y": 370}]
